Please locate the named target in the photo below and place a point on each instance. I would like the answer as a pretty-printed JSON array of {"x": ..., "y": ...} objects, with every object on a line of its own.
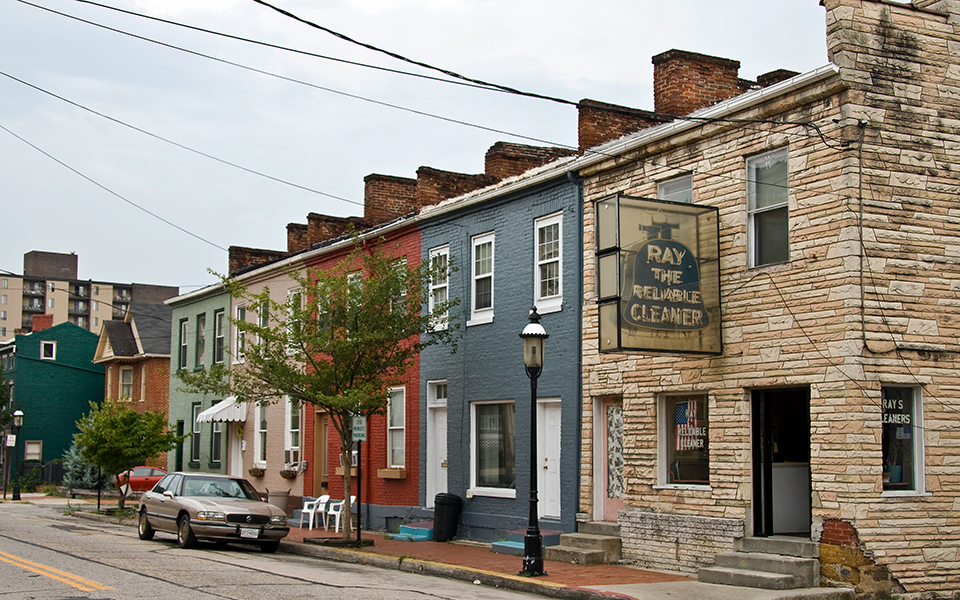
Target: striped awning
[{"x": 228, "y": 409}]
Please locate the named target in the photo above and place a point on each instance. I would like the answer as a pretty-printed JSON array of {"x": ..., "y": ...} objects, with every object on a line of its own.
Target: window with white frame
[
  {"x": 481, "y": 291},
  {"x": 902, "y": 440},
  {"x": 767, "y": 208},
  {"x": 195, "y": 438},
  {"x": 548, "y": 261},
  {"x": 263, "y": 318},
  {"x": 48, "y": 350},
  {"x": 3, "y": 299},
  {"x": 678, "y": 189},
  {"x": 143, "y": 382},
  {"x": 126, "y": 383},
  {"x": 216, "y": 441},
  {"x": 440, "y": 283},
  {"x": 684, "y": 457},
  {"x": 399, "y": 302},
  {"x": 219, "y": 322},
  {"x": 494, "y": 455},
  {"x": 395, "y": 427},
  {"x": 33, "y": 450},
  {"x": 354, "y": 281},
  {"x": 201, "y": 339},
  {"x": 294, "y": 306},
  {"x": 240, "y": 344},
  {"x": 4, "y": 283},
  {"x": 291, "y": 451},
  {"x": 49, "y": 302},
  {"x": 184, "y": 343},
  {"x": 260, "y": 442}
]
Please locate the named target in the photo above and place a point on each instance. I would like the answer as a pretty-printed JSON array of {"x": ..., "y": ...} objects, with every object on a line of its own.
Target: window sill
[
  {"x": 684, "y": 486},
  {"x": 492, "y": 492},
  {"x": 339, "y": 471},
  {"x": 392, "y": 473},
  {"x": 549, "y": 305},
  {"x": 194, "y": 464},
  {"x": 904, "y": 494},
  {"x": 480, "y": 319},
  {"x": 213, "y": 465}
]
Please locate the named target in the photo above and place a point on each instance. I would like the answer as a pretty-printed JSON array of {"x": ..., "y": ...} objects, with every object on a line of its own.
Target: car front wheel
[
  {"x": 185, "y": 537},
  {"x": 143, "y": 528}
]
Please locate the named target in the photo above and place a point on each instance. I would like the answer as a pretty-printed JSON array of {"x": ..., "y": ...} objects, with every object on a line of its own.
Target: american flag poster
[{"x": 687, "y": 428}]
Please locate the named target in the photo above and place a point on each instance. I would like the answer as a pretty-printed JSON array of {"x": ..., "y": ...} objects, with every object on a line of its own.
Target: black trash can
[{"x": 446, "y": 516}]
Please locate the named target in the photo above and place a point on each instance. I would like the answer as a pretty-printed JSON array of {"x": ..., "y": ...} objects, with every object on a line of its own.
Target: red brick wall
[
  {"x": 241, "y": 257},
  {"x": 435, "y": 186},
  {"x": 838, "y": 533},
  {"x": 599, "y": 122},
  {"x": 505, "y": 159},
  {"x": 386, "y": 197}
]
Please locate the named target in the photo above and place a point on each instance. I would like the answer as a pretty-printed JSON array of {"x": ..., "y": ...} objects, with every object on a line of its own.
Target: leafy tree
[
  {"x": 339, "y": 344},
  {"x": 114, "y": 437},
  {"x": 80, "y": 475},
  {"x": 6, "y": 410}
]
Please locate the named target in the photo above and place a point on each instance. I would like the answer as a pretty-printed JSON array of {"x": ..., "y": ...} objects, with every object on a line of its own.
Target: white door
[
  {"x": 234, "y": 454},
  {"x": 436, "y": 452},
  {"x": 548, "y": 452}
]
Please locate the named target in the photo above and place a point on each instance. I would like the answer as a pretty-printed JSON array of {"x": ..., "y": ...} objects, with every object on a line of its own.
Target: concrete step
[
  {"x": 805, "y": 570},
  {"x": 600, "y": 528},
  {"x": 550, "y": 537},
  {"x": 609, "y": 546},
  {"x": 415, "y": 532},
  {"x": 577, "y": 556},
  {"x": 785, "y": 546},
  {"x": 751, "y": 579},
  {"x": 510, "y": 547}
]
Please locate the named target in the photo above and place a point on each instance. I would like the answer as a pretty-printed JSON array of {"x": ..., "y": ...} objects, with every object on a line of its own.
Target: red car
[{"x": 140, "y": 479}]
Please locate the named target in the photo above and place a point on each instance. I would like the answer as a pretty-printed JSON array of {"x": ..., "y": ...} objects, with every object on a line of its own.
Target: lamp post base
[
  {"x": 16, "y": 492},
  {"x": 533, "y": 555}
]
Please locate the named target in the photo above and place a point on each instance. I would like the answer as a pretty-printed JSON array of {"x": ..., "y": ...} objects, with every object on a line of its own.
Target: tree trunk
[{"x": 346, "y": 457}]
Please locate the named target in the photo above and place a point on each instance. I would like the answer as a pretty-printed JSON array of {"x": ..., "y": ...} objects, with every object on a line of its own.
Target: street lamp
[
  {"x": 533, "y": 336},
  {"x": 17, "y": 424}
]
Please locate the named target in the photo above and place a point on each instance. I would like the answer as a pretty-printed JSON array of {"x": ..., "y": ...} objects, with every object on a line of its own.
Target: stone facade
[{"x": 866, "y": 299}]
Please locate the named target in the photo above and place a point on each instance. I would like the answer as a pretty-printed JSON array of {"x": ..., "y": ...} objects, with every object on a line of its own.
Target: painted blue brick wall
[{"x": 488, "y": 363}]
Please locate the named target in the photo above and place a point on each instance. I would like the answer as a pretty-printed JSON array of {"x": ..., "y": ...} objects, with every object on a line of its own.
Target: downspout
[{"x": 577, "y": 181}]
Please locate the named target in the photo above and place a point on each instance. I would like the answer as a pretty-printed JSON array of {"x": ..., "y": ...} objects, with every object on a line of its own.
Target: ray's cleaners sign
[{"x": 664, "y": 256}]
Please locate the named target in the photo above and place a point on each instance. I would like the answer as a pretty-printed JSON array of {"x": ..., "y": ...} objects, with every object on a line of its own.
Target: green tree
[
  {"x": 348, "y": 335},
  {"x": 80, "y": 475},
  {"x": 6, "y": 410},
  {"x": 114, "y": 437}
]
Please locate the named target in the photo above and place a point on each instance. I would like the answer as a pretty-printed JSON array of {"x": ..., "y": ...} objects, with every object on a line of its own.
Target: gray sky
[{"x": 313, "y": 138}]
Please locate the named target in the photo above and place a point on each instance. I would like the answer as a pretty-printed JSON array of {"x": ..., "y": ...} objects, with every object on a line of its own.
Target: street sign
[
  {"x": 359, "y": 429},
  {"x": 12, "y": 440}
]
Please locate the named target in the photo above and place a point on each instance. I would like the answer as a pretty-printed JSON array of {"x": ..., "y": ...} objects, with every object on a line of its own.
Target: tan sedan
[{"x": 218, "y": 508}]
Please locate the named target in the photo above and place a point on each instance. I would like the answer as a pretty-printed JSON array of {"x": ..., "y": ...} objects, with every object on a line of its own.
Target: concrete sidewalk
[{"x": 478, "y": 564}]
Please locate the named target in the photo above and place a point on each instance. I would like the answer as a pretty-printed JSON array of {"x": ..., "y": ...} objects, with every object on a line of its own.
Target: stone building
[{"x": 774, "y": 351}]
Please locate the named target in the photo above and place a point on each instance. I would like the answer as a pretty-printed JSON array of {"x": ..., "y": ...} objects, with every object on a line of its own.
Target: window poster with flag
[{"x": 685, "y": 421}]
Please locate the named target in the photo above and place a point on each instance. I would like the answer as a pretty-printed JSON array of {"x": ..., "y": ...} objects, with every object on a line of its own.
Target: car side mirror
[{"x": 168, "y": 494}]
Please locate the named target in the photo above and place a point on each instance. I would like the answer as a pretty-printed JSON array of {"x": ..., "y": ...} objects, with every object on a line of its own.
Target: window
[
  {"x": 684, "y": 441},
  {"x": 902, "y": 440},
  {"x": 3, "y": 331},
  {"x": 126, "y": 383},
  {"x": 291, "y": 452},
  {"x": 218, "y": 323},
  {"x": 482, "y": 283},
  {"x": 263, "y": 318},
  {"x": 260, "y": 451},
  {"x": 294, "y": 308},
  {"x": 4, "y": 283},
  {"x": 96, "y": 305},
  {"x": 183, "y": 343},
  {"x": 195, "y": 438},
  {"x": 3, "y": 315},
  {"x": 548, "y": 278},
  {"x": 96, "y": 290},
  {"x": 354, "y": 297},
  {"x": 201, "y": 339},
  {"x": 3, "y": 299},
  {"x": 767, "y": 212},
  {"x": 48, "y": 350},
  {"x": 399, "y": 302},
  {"x": 395, "y": 427},
  {"x": 53, "y": 287},
  {"x": 440, "y": 284},
  {"x": 50, "y": 302},
  {"x": 679, "y": 189},
  {"x": 216, "y": 441},
  {"x": 96, "y": 321},
  {"x": 80, "y": 322},
  {"x": 494, "y": 448},
  {"x": 241, "y": 340},
  {"x": 143, "y": 382},
  {"x": 33, "y": 450}
]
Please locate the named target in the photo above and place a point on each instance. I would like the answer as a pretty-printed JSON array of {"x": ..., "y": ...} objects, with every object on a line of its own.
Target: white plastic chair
[
  {"x": 335, "y": 510},
  {"x": 314, "y": 507}
]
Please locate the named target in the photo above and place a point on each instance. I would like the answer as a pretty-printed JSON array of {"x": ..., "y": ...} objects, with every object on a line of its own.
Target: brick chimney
[
  {"x": 386, "y": 197},
  {"x": 41, "y": 322},
  {"x": 686, "y": 81},
  {"x": 242, "y": 258},
  {"x": 435, "y": 186},
  {"x": 505, "y": 159},
  {"x": 599, "y": 122},
  {"x": 768, "y": 79}
]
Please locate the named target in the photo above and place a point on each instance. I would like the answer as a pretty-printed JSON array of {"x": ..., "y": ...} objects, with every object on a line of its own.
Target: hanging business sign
[{"x": 658, "y": 276}]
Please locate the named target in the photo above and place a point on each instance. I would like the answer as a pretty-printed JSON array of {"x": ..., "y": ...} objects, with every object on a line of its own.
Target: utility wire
[
  {"x": 113, "y": 193},
  {"x": 177, "y": 144}
]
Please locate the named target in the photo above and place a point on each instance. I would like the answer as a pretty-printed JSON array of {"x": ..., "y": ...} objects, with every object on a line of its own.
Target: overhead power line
[{"x": 111, "y": 192}]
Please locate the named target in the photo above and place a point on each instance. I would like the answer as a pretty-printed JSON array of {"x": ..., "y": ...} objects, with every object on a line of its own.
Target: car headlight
[
  {"x": 210, "y": 515},
  {"x": 278, "y": 520}
]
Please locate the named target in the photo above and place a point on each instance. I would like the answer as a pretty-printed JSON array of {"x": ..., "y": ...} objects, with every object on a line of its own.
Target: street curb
[{"x": 424, "y": 567}]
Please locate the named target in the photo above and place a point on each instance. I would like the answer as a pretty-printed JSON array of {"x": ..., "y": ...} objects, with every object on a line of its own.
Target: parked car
[
  {"x": 218, "y": 508},
  {"x": 140, "y": 479}
]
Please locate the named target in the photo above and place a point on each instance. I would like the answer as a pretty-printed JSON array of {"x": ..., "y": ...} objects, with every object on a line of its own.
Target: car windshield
[{"x": 219, "y": 488}]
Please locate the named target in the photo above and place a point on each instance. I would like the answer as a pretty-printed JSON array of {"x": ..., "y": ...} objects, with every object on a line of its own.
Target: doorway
[
  {"x": 321, "y": 463},
  {"x": 608, "y": 458},
  {"x": 781, "y": 462},
  {"x": 436, "y": 453},
  {"x": 548, "y": 451}
]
